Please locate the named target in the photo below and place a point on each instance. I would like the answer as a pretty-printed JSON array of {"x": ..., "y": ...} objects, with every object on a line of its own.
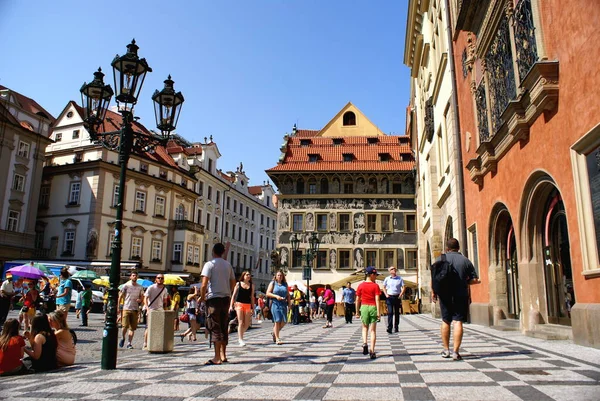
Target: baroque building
[
  {"x": 173, "y": 201},
  {"x": 24, "y": 131},
  {"x": 353, "y": 186},
  {"x": 433, "y": 125},
  {"x": 531, "y": 143}
]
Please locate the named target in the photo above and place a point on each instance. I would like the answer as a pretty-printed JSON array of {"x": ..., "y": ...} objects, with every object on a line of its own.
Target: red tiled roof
[
  {"x": 227, "y": 177},
  {"x": 30, "y": 105},
  {"x": 306, "y": 133},
  {"x": 255, "y": 190},
  {"x": 194, "y": 150},
  {"x": 330, "y": 157}
]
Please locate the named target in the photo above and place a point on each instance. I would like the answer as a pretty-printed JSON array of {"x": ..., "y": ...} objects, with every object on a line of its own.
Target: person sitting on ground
[
  {"x": 12, "y": 349},
  {"x": 43, "y": 345},
  {"x": 65, "y": 347}
]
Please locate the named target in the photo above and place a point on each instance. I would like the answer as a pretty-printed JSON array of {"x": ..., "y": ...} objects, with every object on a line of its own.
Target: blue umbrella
[{"x": 144, "y": 283}]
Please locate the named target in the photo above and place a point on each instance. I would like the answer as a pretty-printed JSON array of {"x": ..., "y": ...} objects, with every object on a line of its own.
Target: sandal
[
  {"x": 274, "y": 339},
  {"x": 279, "y": 342}
]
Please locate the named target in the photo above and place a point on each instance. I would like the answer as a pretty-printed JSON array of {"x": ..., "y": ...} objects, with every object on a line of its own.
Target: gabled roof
[{"x": 30, "y": 105}]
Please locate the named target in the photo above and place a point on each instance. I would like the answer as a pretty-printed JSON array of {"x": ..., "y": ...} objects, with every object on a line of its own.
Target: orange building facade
[{"x": 528, "y": 90}]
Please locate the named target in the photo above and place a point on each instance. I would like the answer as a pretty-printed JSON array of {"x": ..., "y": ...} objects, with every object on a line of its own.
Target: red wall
[{"x": 572, "y": 38}]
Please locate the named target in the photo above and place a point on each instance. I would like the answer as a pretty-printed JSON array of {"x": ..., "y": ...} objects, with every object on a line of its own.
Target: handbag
[{"x": 185, "y": 318}]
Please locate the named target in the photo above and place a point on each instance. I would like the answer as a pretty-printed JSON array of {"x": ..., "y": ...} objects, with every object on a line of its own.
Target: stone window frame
[
  {"x": 473, "y": 246},
  {"x": 144, "y": 201},
  {"x": 24, "y": 149},
  {"x": 70, "y": 200},
  {"x": 378, "y": 222},
  {"x": 326, "y": 252},
  {"x": 318, "y": 229},
  {"x": 134, "y": 245},
  {"x": 190, "y": 255},
  {"x": 415, "y": 252},
  {"x": 157, "y": 205},
  {"x": 294, "y": 228},
  {"x": 377, "y": 260},
  {"x": 590, "y": 254},
  {"x": 196, "y": 255},
  {"x": 156, "y": 251},
  {"x": 339, "y": 222},
  {"x": 111, "y": 239},
  {"x": 350, "y": 259},
  {"x": 383, "y": 252},
  {"x": 406, "y": 215},
  {"x": 67, "y": 233},
  {"x": 44, "y": 201},
  {"x": 14, "y": 227},
  {"x": 176, "y": 260},
  {"x": 18, "y": 182}
]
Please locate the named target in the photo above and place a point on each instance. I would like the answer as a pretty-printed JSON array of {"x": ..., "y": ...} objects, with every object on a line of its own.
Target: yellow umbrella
[
  {"x": 102, "y": 281},
  {"x": 173, "y": 279}
]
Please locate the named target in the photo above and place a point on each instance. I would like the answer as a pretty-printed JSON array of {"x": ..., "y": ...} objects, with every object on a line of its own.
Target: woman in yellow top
[{"x": 175, "y": 300}]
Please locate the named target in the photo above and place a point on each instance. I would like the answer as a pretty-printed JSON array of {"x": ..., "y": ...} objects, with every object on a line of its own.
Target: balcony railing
[
  {"x": 17, "y": 239},
  {"x": 187, "y": 225}
]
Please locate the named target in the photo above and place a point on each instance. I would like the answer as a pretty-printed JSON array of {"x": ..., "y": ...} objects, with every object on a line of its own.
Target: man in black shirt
[{"x": 455, "y": 304}]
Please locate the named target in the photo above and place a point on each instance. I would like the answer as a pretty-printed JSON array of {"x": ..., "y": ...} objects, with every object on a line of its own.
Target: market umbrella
[
  {"x": 102, "y": 281},
  {"x": 42, "y": 267},
  {"x": 301, "y": 286},
  {"x": 144, "y": 283},
  {"x": 173, "y": 279},
  {"x": 86, "y": 274},
  {"x": 27, "y": 271}
]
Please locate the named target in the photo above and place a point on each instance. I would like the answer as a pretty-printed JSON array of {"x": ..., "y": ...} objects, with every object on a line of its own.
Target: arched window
[
  {"x": 449, "y": 230},
  {"x": 349, "y": 118}
]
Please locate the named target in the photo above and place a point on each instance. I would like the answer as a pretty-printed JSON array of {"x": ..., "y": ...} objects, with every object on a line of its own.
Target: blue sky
[{"x": 248, "y": 69}]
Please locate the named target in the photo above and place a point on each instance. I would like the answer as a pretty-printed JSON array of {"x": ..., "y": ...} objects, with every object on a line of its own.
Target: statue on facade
[
  {"x": 283, "y": 256},
  {"x": 284, "y": 220},
  {"x": 332, "y": 259},
  {"x": 332, "y": 222},
  {"x": 358, "y": 259},
  {"x": 92, "y": 243},
  {"x": 310, "y": 222}
]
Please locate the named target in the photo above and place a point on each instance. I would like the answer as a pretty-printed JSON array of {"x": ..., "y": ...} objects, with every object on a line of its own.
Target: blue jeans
[
  {"x": 393, "y": 306},
  {"x": 295, "y": 314}
]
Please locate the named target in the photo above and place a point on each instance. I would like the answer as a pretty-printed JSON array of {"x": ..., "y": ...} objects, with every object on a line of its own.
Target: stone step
[
  {"x": 504, "y": 328},
  {"x": 512, "y": 323},
  {"x": 551, "y": 332}
]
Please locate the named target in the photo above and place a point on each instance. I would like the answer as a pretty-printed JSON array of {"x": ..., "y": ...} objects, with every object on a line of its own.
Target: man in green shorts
[{"x": 367, "y": 308}]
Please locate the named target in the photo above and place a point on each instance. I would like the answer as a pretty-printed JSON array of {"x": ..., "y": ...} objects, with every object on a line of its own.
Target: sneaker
[
  {"x": 456, "y": 356},
  {"x": 389, "y": 331},
  {"x": 446, "y": 353},
  {"x": 129, "y": 346},
  {"x": 373, "y": 356},
  {"x": 242, "y": 343},
  {"x": 121, "y": 343},
  {"x": 365, "y": 349}
]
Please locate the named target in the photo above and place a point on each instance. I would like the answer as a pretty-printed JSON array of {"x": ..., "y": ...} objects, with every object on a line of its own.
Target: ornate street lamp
[
  {"x": 311, "y": 253},
  {"x": 129, "y": 74}
]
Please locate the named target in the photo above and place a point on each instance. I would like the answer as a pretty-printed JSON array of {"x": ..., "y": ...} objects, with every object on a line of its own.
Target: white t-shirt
[
  {"x": 153, "y": 292},
  {"x": 131, "y": 294},
  {"x": 7, "y": 288},
  {"x": 220, "y": 274}
]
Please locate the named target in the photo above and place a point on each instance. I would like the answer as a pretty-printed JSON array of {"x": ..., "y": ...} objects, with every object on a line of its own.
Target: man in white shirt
[
  {"x": 132, "y": 295},
  {"x": 7, "y": 291},
  {"x": 155, "y": 298},
  {"x": 393, "y": 288},
  {"x": 218, "y": 281}
]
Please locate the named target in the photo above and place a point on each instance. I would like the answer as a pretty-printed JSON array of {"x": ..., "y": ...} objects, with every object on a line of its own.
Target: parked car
[{"x": 78, "y": 286}]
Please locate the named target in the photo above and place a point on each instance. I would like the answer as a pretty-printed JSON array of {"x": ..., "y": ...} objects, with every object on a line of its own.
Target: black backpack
[{"x": 444, "y": 277}]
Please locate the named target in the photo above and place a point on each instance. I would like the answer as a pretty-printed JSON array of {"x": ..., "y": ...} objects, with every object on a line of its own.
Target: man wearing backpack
[{"x": 451, "y": 275}]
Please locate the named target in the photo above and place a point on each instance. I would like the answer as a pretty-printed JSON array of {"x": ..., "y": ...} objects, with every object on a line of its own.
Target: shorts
[
  {"x": 130, "y": 319},
  {"x": 313, "y": 305},
  {"x": 454, "y": 308},
  {"x": 192, "y": 313},
  {"x": 368, "y": 314},
  {"x": 217, "y": 318},
  {"x": 245, "y": 308},
  {"x": 63, "y": 308}
]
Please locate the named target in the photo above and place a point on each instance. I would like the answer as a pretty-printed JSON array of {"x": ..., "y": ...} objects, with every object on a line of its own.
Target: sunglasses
[{"x": 160, "y": 278}]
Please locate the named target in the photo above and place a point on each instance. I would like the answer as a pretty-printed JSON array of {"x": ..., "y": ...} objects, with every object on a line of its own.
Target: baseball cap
[{"x": 371, "y": 270}]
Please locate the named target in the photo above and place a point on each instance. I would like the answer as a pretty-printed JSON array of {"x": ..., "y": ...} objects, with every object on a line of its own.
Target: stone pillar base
[
  {"x": 585, "y": 321},
  {"x": 481, "y": 313},
  {"x": 161, "y": 331}
]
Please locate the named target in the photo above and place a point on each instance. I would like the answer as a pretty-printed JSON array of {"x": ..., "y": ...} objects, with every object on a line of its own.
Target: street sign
[{"x": 307, "y": 273}]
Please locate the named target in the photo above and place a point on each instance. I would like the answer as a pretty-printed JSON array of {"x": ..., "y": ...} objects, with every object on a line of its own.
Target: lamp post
[
  {"x": 129, "y": 74},
  {"x": 311, "y": 253}
]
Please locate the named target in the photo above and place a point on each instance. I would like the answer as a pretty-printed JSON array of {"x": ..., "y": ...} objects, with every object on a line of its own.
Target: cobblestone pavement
[{"x": 327, "y": 364}]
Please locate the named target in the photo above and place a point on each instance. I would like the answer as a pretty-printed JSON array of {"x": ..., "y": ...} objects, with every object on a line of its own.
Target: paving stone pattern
[{"x": 327, "y": 364}]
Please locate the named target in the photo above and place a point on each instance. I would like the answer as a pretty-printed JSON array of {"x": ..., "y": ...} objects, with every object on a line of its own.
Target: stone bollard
[{"x": 161, "y": 331}]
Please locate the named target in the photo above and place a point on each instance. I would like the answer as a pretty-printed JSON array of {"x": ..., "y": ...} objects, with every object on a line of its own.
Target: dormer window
[
  {"x": 372, "y": 141},
  {"x": 349, "y": 119},
  {"x": 305, "y": 142},
  {"x": 348, "y": 157},
  {"x": 403, "y": 141},
  {"x": 162, "y": 174},
  {"x": 337, "y": 141},
  {"x": 144, "y": 168},
  {"x": 405, "y": 157},
  {"x": 313, "y": 157},
  {"x": 385, "y": 157}
]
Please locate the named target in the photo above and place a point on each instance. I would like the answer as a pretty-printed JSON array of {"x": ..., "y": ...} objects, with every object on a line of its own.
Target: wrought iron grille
[
  {"x": 481, "y": 103},
  {"x": 429, "y": 123},
  {"x": 501, "y": 72},
  {"x": 525, "y": 44}
]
